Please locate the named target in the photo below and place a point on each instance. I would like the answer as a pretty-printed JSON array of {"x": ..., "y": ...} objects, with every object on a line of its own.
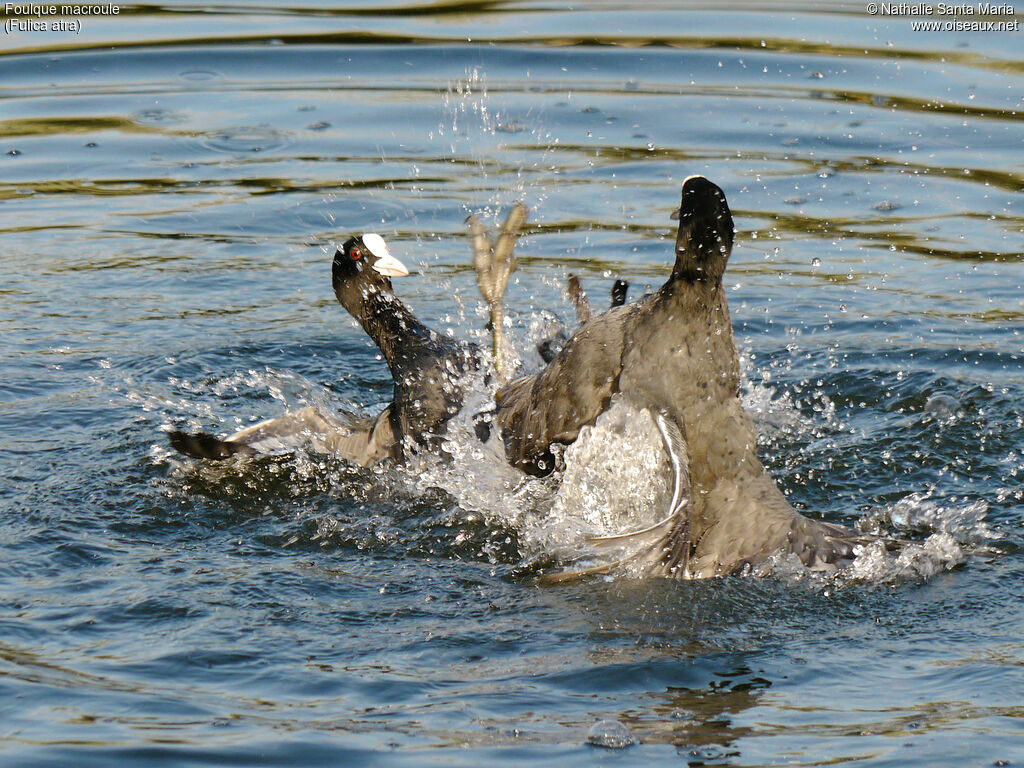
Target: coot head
[
  {"x": 705, "y": 235},
  {"x": 362, "y": 265}
]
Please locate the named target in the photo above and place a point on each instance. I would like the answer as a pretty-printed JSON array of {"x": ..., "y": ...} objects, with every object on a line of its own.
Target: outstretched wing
[
  {"x": 363, "y": 440},
  {"x": 552, "y": 405}
]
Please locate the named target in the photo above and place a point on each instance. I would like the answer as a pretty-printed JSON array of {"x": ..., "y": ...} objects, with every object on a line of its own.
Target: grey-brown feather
[
  {"x": 363, "y": 440},
  {"x": 673, "y": 352}
]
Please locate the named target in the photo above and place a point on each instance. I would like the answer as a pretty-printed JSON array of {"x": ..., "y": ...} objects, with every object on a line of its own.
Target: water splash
[
  {"x": 914, "y": 561},
  {"x": 466, "y": 107},
  {"x": 475, "y": 128},
  {"x": 775, "y": 411},
  {"x": 919, "y": 514},
  {"x": 614, "y": 478},
  {"x": 952, "y": 533}
]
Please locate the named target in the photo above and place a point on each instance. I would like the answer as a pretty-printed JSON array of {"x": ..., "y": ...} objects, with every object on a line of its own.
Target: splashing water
[
  {"x": 919, "y": 513},
  {"x": 474, "y": 129},
  {"x": 613, "y": 479},
  {"x": 954, "y": 532}
]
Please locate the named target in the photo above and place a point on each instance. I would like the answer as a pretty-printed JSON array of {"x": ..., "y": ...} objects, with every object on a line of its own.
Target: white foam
[
  {"x": 917, "y": 513},
  {"x": 915, "y": 560}
]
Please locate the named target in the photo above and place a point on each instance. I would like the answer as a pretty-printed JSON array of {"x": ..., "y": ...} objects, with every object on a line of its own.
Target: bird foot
[{"x": 494, "y": 260}]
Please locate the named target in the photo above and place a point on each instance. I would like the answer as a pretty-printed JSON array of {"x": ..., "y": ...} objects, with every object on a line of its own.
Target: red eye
[{"x": 356, "y": 254}]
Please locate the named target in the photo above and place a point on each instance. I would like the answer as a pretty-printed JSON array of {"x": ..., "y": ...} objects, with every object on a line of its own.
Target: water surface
[{"x": 172, "y": 180}]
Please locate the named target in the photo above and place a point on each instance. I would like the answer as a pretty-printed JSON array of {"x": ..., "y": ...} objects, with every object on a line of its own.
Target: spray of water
[
  {"x": 615, "y": 477},
  {"x": 471, "y": 124}
]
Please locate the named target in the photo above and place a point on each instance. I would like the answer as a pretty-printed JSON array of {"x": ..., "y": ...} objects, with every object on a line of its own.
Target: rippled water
[{"x": 171, "y": 180}]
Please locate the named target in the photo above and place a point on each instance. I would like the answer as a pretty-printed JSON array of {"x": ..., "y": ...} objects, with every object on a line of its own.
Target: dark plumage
[
  {"x": 427, "y": 369},
  {"x": 687, "y": 316},
  {"x": 362, "y": 271},
  {"x": 200, "y": 445},
  {"x": 673, "y": 353},
  {"x": 426, "y": 366},
  {"x": 552, "y": 344}
]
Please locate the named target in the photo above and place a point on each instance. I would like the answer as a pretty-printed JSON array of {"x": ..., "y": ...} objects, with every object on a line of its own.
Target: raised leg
[{"x": 494, "y": 261}]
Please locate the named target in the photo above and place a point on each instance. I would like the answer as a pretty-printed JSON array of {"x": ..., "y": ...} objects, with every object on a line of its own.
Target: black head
[
  {"x": 362, "y": 264},
  {"x": 705, "y": 236}
]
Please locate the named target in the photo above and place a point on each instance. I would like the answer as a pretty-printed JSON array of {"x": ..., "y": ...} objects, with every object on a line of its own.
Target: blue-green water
[{"x": 171, "y": 180}]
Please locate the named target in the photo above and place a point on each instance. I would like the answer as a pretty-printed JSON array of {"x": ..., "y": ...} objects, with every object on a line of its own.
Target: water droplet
[
  {"x": 941, "y": 406},
  {"x": 610, "y": 734}
]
